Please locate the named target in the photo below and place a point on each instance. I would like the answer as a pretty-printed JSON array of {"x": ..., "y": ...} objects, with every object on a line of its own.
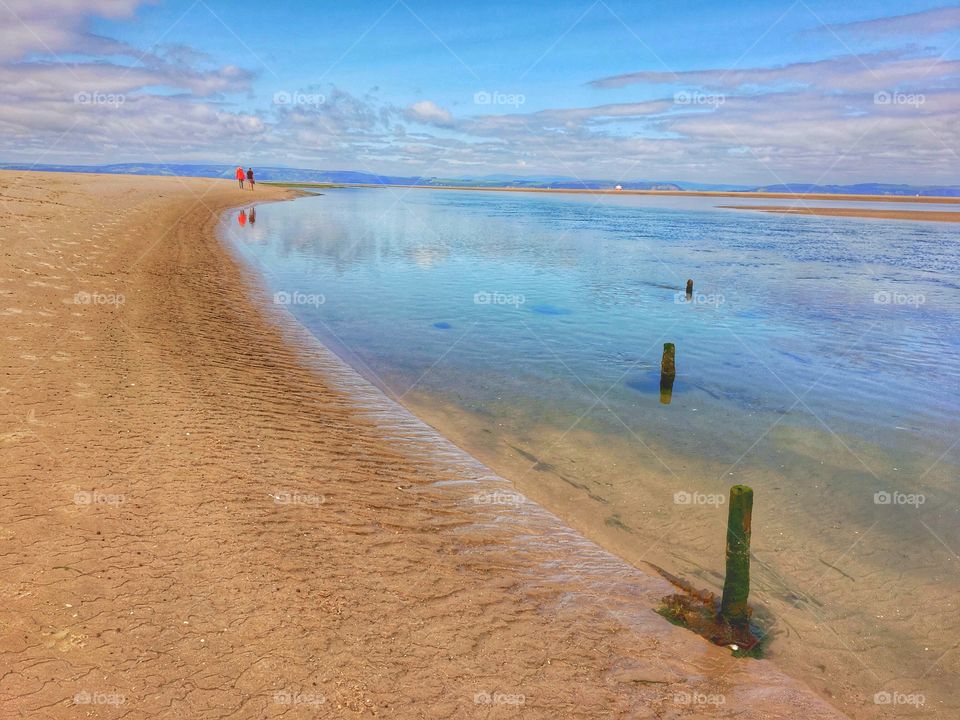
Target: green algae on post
[
  {"x": 736, "y": 584},
  {"x": 668, "y": 372},
  {"x": 726, "y": 622}
]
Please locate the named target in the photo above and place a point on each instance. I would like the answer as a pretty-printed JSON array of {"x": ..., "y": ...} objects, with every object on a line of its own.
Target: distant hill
[{"x": 559, "y": 182}]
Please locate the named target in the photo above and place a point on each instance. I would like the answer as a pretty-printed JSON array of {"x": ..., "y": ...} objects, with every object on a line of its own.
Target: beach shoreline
[
  {"x": 868, "y": 213},
  {"x": 927, "y": 199},
  {"x": 200, "y": 523}
]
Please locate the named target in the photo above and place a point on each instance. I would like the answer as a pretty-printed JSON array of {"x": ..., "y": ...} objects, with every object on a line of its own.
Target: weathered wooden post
[
  {"x": 668, "y": 372},
  {"x": 736, "y": 585},
  {"x": 689, "y": 289}
]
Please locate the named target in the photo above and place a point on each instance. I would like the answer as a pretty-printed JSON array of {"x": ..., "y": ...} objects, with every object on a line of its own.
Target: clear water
[{"x": 819, "y": 359}]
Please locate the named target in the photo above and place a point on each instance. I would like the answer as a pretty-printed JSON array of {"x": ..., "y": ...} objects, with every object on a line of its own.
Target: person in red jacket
[{"x": 240, "y": 176}]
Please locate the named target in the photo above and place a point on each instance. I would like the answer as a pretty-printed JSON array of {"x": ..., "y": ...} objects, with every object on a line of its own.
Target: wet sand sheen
[{"x": 204, "y": 509}]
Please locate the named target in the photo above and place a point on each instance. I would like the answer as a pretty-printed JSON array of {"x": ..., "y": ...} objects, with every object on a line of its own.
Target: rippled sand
[{"x": 205, "y": 515}]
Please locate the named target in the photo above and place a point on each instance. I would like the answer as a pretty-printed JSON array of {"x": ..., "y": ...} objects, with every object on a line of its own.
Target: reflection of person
[
  {"x": 250, "y": 177},
  {"x": 240, "y": 176},
  {"x": 242, "y": 218},
  {"x": 253, "y": 215}
]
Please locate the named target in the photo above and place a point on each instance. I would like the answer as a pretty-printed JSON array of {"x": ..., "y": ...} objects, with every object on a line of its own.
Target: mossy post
[
  {"x": 668, "y": 364},
  {"x": 668, "y": 371},
  {"x": 736, "y": 585}
]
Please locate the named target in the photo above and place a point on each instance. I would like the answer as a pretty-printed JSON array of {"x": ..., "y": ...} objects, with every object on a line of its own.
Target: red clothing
[{"x": 240, "y": 174}]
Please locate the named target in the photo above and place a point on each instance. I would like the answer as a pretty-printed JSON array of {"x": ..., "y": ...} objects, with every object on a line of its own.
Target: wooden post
[
  {"x": 668, "y": 372},
  {"x": 668, "y": 365},
  {"x": 736, "y": 585},
  {"x": 689, "y": 289}
]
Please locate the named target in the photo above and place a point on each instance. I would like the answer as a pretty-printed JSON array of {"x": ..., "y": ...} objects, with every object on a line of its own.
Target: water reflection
[{"x": 548, "y": 328}]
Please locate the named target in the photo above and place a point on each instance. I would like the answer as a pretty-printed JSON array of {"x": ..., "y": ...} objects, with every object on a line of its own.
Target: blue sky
[{"x": 754, "y": 93}]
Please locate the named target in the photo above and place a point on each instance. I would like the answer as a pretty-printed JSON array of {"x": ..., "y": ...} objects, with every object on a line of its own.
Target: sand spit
[{"x": 930, "y": 215}]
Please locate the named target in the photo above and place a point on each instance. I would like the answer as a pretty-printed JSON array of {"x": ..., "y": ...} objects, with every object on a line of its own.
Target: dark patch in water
[
  {"x": 442, "y": 325},
  {"x": 547, "y": 467},
  {"x": 615, "y": 521},
  {"x": 525, "y": 455},
  {"x": 649, "y": 383},
  {"x": 550, "y": 310},
  {"x": 799, "y": 359},
  {"x": 660, "y": 286}
]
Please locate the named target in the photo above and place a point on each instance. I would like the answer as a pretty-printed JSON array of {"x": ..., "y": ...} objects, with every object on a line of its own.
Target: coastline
[
  {"x": 200, "y": 520},
  {"x": 917, "y": 215},
  {"x": 935, "y": 199}
]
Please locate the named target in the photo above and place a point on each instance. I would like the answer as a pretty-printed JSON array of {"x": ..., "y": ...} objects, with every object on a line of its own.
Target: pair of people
[{"x": 241, "y": 176}]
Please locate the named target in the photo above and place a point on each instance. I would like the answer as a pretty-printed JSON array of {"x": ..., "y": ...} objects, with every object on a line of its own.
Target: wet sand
[
  {"x": 835, "y": 582},
  {"x": 199, "y": 521},
  {"x": 929, "y": 215}
]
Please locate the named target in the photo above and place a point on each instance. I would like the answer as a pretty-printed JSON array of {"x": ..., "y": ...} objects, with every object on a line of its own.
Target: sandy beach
[
  {"x": 929, "y": 215},
  {"x": 198, "y": 521}
]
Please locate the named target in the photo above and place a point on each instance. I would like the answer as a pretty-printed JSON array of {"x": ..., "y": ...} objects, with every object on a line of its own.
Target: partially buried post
[{"x": 736, "y": 585}]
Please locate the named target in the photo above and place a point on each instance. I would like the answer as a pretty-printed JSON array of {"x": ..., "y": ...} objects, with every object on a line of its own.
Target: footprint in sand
[
  {"x": 64, "y": 640},
  {"x": 15, "y": 436},
  {"x": 83, "y": 392}
]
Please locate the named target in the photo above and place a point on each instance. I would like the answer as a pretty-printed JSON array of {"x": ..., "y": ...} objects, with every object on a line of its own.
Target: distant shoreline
[
  {"x": 932, "y": 199},
  {"x": 928, "y": 215}
]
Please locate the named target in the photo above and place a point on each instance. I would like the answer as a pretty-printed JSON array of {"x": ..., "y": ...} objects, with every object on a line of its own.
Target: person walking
[
  {"x": 250, "y": 177},
  {"x": 240, "y": 176}
]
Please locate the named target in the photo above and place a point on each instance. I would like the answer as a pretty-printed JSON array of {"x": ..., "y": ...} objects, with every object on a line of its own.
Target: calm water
[{"x": 819, "y": 359}]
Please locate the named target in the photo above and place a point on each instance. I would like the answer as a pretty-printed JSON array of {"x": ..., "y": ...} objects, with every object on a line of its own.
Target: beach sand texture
[{"x": 198, "y": 522}]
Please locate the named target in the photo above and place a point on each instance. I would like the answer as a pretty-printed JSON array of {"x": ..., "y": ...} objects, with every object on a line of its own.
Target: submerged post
[
  {"x": 689, "y": 289},
  {"x": 736, "y": 585},
  {"x": 668, "y": 372}
]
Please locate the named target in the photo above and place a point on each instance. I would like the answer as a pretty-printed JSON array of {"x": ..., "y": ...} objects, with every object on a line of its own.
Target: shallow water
[{"x": 817, "y": 361}]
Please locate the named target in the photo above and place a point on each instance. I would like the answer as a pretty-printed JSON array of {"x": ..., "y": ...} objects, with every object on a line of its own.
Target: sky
[{"x": 744, "y": 92}]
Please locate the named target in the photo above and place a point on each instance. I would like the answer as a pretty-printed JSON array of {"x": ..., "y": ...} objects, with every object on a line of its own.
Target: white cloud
[
  {"x": 926, "y": 22},
  {"x": 427, "y": 111}
]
